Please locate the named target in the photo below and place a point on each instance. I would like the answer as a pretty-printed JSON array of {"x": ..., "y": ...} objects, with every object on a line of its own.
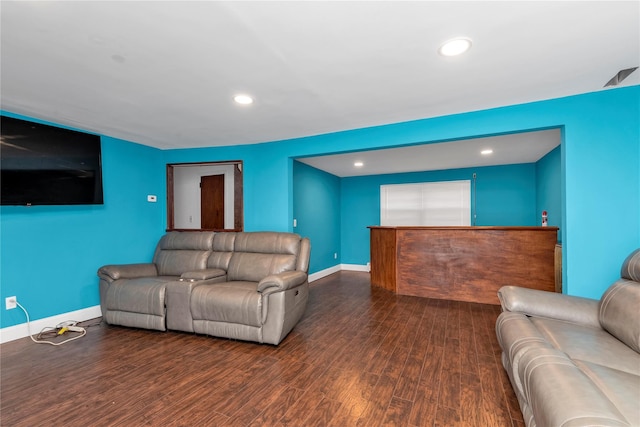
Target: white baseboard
[
  {"x": 327, "y": 271},
  {"x": 323, "y": 273},
  {"x": 355, "y": 267},
  {"x": 15, "y": 332}
]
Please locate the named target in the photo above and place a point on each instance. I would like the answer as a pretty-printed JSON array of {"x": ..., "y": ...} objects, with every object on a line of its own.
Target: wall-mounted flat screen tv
[{"x": 48, "y": 165}]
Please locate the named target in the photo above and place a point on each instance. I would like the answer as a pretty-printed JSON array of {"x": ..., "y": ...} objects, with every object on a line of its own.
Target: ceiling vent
[{"x": 618, "y": 78}]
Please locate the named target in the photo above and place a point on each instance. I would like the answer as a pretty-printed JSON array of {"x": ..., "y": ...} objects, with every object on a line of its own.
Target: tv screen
[{"x": 48, "y": 165}]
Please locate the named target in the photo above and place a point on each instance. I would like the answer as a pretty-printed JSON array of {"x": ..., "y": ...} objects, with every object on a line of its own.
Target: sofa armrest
[
  {"x": 551, "y": 305},
  {"x": 282, "y": 281},
  {"x": 196, "y": 275},
  {"x": 127, "y": 271}
]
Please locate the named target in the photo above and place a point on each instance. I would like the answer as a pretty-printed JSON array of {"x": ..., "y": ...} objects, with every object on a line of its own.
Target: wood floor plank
[
  {"x": 408, "y": 380},
  {"x": 301, "y": 408},
  {"x": 471, "y": 405},
  {"x": 450, "y": 376},
  {"x": 355, "y": 399},
  {"x": 322, "y": 414},
  {"x": 274, "y": 412},
  {"x": 496, "y": 410},
  {"x": 397, "y": 412},
  {"x": 359, "y": 356},
  {"x": 257, "y": 403},
  {"x": 378, "y": 402},
  {"x": 469, "y": 352},
  {"x": 449, "y": 417}
]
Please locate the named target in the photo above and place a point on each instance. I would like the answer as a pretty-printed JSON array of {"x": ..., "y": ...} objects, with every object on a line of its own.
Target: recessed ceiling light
[
  {"x": 486, "y": 152},
  {"x": 243, "y": 99},
  {"x": 358, "y": 164},
  {"x": 455, "y": 47}
]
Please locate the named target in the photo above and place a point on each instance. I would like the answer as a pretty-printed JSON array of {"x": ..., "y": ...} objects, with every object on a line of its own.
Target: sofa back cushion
[
  {"x": 223, "y": 244},
  {"x": 178, "y": 252},
  {"x": 631, "y": 267},
  {"x": 304, "y": 255},
  {"x": 259, "y": 254},
  {"x": 618, "y": 311}
]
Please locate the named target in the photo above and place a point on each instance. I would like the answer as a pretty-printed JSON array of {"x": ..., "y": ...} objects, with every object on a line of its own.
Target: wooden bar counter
[{"x": 462, "y": 263}]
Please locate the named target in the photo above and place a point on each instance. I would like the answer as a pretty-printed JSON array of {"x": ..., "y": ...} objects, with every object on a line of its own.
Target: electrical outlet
[{"x": 11, "y": 302}]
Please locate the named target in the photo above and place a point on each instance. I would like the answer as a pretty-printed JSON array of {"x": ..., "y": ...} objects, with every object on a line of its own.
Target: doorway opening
[{"x": 205, "y": 196}]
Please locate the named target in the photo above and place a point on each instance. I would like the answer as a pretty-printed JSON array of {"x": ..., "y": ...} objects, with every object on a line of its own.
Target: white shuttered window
[{"x": 426, "y": 203}]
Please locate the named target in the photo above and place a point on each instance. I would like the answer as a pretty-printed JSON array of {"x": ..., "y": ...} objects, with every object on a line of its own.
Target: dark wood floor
[{"x": 361, "y": 356}]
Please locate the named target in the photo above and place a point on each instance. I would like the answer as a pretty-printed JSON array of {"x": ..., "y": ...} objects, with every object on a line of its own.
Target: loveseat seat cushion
[
  {"x": 588, "y": 344},
  {"x": 619, "y": 310},
  {"x": 621, "y": 388},
  {"x": 231, "y": 302},
  {"x": 141, "y": 295}
]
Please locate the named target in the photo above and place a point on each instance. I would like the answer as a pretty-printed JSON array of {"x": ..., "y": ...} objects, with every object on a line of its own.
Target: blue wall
[
  {"x": 549, "y": 188},
  {"x": 267, "y": 185},
  {"x": 600, "y": 171},
  {"x": 50, "y": 254},
  {"x": 506, "y": 195},
  {"x": 316, "y": 208}
]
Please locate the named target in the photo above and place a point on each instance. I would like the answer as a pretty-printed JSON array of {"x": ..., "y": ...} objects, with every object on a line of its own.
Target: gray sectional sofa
[
  {"x": 575, "y": 361},
  {"x": 242, "y": 285}
]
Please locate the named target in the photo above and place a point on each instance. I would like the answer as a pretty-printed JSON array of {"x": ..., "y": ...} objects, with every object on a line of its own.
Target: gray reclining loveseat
[
  {"x": 248, "y": 286},
  {"x": 574, "y": 361}
]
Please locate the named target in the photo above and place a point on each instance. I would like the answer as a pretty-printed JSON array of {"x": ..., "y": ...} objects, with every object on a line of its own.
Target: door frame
[{"x": 238, "y": 220}]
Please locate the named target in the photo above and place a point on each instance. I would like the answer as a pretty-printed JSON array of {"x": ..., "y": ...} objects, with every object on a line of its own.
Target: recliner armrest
[
  {"x": 127, "y": 271},
  {"x": 206, "y": 274},
  {"x": 282, "y": 281},
  {"x": 533, "y": 302}
]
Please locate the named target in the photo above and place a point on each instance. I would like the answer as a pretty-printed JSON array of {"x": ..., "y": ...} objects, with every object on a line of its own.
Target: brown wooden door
[{"x": 212, "y": 202}]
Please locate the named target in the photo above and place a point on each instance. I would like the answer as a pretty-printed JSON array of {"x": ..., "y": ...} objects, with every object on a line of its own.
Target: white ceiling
[
  {"x": 164, "y": 73},
  {"x": 526, "y": 147}
]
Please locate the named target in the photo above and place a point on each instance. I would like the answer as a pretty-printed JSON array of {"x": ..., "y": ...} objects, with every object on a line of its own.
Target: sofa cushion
[
  {"x": 588, "y": 344},
  {"x": 255, "y": 267},
  {"x": 269, "y": 242},
  {"x": 143, "y": 295},
  {"x": 223, "y": 244},
  {"x": 231, "y": 302},
  {"x": 516, "y": 333},
  {"x": 618, "y": 312},
  {"x": 560, "y": 394},
  {"x": 174, "y": 263},
  {"x": 178, "y": 240},
  {"x": 621, "y": 388},
  {"x": 261, "y": 254},
  {"x": 179, "y": 252},
  {"x": 631, "y": 267}
]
